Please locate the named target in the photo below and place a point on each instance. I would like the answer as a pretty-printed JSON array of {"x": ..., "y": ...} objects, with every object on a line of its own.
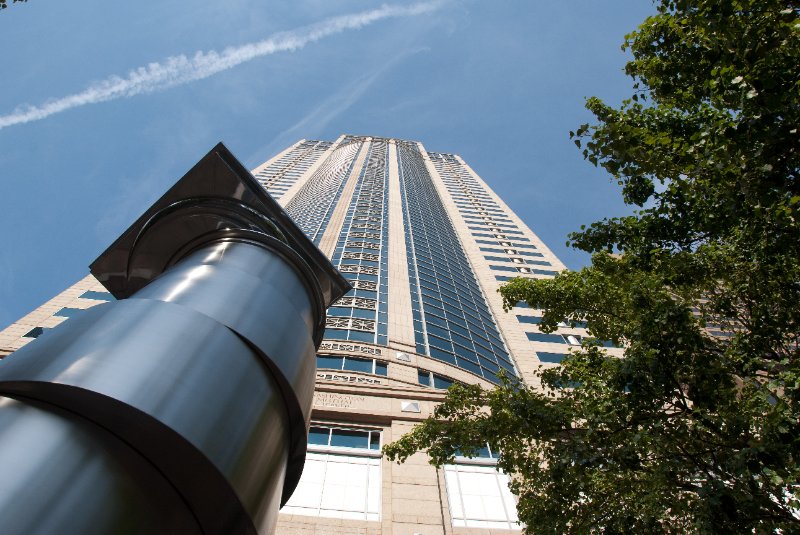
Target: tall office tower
[{"x": 426, "y": 244}]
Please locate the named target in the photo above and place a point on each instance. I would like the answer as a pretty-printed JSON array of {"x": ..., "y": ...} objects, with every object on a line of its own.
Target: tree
[
  {"x": 4, "y": 3},
  {"x": 689, "y": 431}
]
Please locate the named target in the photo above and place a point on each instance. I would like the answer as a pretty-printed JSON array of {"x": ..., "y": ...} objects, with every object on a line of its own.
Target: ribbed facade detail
[
  {"x": 313, "y": 205},
  {"x": 285, "y": 171},
  {"x": 361, "y": 254}
]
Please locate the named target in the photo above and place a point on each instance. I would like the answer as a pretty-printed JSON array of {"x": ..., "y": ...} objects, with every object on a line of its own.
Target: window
[
  {"x": 543, "y": 337},
  {"x": 485, "y": 452},
  {"x": 344, "y": 437},
  {"x": 506, "y": 268},
  {"x": 503, "y": 259},
  {"x": 434, "y": 380},
  {"x": 719, "y": 334},
  {"x": 342, "y": 474},
  {"x": 352, "y": 364},
  {"x": 527, "y": 270},
  {"x": 479, "y": 497},
  {"x": 553, "y": 358},
  {"x": 36, "y": 332}
]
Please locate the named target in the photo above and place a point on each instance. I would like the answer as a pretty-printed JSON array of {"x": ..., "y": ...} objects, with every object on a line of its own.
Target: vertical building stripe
[
  {"x": 328, "y": 241},
  {"x": 401, "y": 327}
]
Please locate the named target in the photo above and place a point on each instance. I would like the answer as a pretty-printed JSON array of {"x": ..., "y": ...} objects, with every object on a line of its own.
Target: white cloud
[{"x": 177, "y": 70}]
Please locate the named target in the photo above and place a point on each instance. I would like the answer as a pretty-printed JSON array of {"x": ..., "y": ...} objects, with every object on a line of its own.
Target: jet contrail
[{"x": 177, "y": 70}]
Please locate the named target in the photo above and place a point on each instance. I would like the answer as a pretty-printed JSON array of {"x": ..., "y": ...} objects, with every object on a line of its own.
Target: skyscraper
[{"x": 426, "y": 244}]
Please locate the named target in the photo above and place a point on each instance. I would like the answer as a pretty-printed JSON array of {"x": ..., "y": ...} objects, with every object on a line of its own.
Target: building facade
[{"x": 426, "y": 244}]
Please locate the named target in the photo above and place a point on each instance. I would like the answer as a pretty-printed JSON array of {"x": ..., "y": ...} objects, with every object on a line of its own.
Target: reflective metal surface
[
  {"x": 62, "y": 474},
  {"x": 259, "y": 296},
  {"x": 187, "y": 403},
  {"x": 179, "y": 387}
]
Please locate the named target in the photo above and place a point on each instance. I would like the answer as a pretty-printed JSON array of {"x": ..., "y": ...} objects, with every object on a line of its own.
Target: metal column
[{"x": 184, "y": 406}]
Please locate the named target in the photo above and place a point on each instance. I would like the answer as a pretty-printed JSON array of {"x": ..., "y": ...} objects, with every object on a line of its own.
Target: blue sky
[{"x": 499, "y": 82}]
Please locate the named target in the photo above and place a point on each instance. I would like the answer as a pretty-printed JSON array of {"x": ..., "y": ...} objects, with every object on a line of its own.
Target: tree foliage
[
  {"x": 4, "y": 3},
  {"x": 689, "y": 432}
]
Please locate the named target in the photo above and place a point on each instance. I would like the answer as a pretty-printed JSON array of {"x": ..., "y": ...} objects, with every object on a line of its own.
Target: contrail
[{"x": 177, "y": 70}]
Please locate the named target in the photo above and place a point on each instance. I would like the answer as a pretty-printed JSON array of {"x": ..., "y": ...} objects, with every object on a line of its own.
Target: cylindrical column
[
  {"x": 61, "y": 475},
  {"x": 181, "y": 409}
]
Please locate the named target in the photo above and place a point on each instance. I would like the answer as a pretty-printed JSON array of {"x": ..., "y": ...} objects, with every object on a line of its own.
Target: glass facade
[{"x": 452, "y": 321}]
